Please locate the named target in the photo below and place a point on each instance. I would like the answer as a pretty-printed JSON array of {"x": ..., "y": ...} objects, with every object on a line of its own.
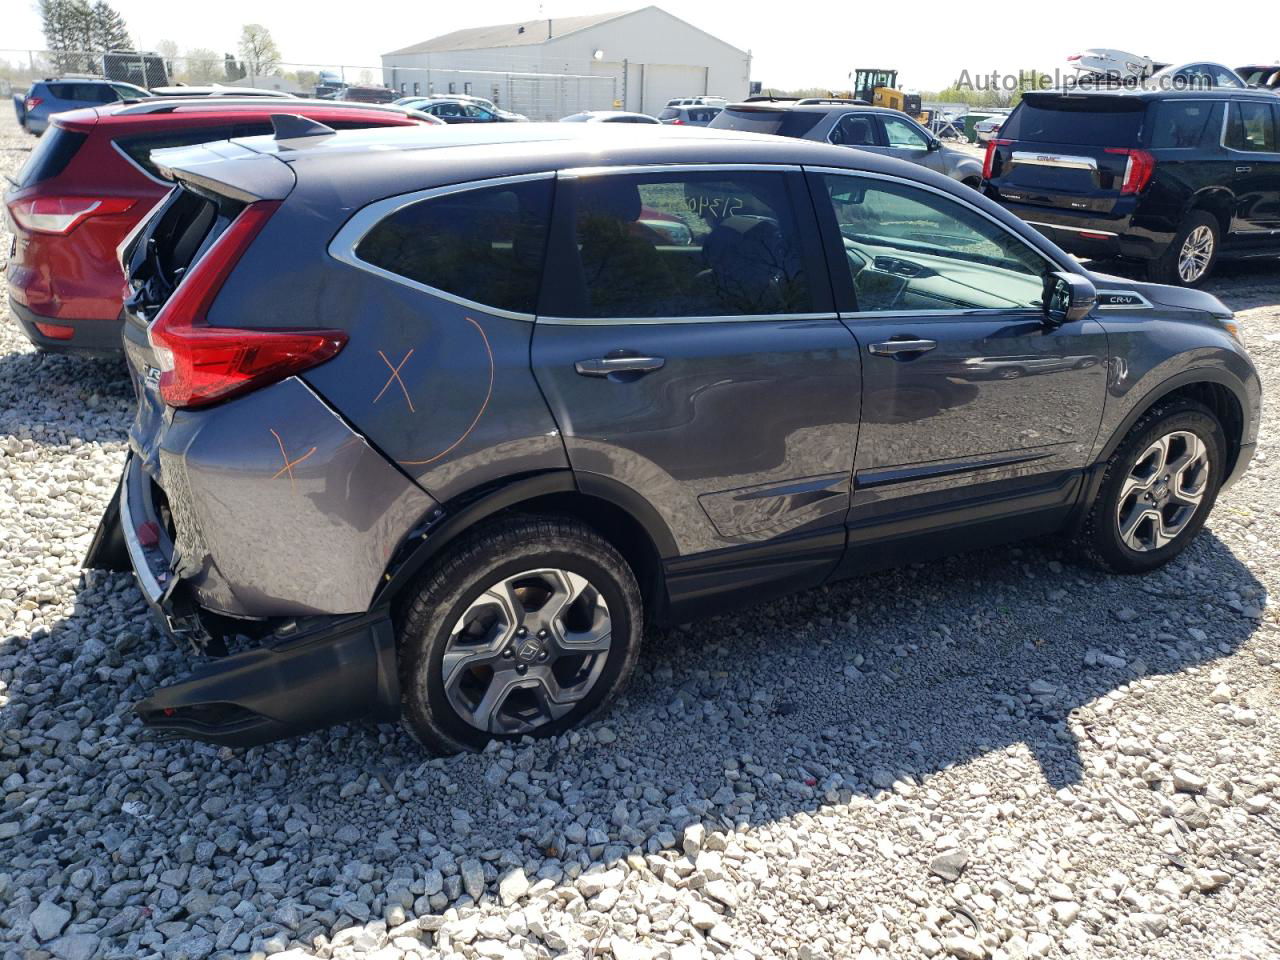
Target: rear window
[
  {"x": 484, "y": 245},
  {"x": 1087, "y": 123},
  {"x": 703, "y": 114},
  {"x": 51, "y": 155},
  {"x": 1183, "y": 123},
  {"x": 670, "y": 113},
  {"x": 783, "y": 123}
]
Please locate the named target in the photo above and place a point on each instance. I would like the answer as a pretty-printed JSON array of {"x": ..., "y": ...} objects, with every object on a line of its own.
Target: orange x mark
[
  {"x": 395, "y": 376},
  {"x": 288, "y": 464}
]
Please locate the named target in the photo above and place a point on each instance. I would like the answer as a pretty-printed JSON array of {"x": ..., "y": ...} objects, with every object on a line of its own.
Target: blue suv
[{"x": 56, "y": 95}]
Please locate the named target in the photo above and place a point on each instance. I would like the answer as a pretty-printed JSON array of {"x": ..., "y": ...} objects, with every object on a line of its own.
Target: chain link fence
[{"x": 538, "y": 94}]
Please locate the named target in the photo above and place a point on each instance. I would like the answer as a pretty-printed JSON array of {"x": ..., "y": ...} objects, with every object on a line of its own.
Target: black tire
[
  {"x": 1164, "y": 269},
  {"x": 1100, "y": 539},
  {"x": 495, "y": 551}
]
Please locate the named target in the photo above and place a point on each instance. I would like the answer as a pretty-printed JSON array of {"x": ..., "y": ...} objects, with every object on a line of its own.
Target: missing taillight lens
[
  {"x": 200, "y": 364},
  {"x": 64, "y": 214},
  {"x": 1137, "y": 170},
  {"x": 988, "y": 162}
]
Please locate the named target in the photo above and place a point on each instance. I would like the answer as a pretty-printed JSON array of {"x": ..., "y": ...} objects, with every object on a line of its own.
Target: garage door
[{"x": 663, "y": 82}]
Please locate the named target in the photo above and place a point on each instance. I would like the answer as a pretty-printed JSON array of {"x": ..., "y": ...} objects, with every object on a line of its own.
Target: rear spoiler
[{"x": 227, "y": 168}]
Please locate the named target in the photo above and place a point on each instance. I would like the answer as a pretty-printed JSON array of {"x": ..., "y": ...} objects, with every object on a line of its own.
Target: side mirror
[
  {"x": 1068, "y": 297},
  {"x": 935, "y": 145}
]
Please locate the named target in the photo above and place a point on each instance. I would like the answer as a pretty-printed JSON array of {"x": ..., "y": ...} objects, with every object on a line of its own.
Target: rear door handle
[
  {"x": 1243, "y": 169},
  {"x": 604, "y": 366},
  {"x": 891, "y": 348}
]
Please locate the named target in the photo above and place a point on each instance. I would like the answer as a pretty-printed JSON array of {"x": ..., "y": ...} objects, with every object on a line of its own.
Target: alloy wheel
[
  {"x": 1197, "y": 251},
  {"x": 527, "y": 651},
  {"x": 1162, "y": 491}
]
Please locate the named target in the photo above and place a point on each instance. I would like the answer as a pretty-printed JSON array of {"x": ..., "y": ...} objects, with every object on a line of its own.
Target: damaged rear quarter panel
[{"x": 282, "y": 509}]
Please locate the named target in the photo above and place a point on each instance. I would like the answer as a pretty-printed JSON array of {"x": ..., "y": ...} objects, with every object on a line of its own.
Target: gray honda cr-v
[{"x": 433, "y": 425}]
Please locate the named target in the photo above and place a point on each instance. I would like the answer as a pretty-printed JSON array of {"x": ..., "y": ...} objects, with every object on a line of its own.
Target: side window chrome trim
[
  {"x": 728, "y": 318},
  {"x": 343, "y": 245},
  {"x": 1071, "y": 267}
]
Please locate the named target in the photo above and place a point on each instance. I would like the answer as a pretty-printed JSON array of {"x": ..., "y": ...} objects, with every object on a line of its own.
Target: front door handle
[
  {"x": 604, "y": 366},
  {"x": 892, "y": 348},
  {"x": 1243, "y": 169}
]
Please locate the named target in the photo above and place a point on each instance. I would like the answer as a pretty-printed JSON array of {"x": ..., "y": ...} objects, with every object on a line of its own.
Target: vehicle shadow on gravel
[{"x": 823, "y": 697}]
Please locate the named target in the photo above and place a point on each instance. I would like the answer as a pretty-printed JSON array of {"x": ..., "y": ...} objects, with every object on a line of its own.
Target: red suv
[{"x": 90, "y": 180}]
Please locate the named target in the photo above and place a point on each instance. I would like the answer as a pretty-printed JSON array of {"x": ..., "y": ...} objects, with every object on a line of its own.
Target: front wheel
[
  {"x": 1158, "y": 489},
  {"x": 527, "y": 626}
]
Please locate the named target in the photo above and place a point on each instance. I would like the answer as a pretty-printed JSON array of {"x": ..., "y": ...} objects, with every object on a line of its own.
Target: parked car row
[{"x": 91, "y": 179}]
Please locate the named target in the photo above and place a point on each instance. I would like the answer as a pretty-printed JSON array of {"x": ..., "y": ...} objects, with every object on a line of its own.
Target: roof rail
[
  {"x": 170, "y": 104},
  {"x": 850, "y": 100}
]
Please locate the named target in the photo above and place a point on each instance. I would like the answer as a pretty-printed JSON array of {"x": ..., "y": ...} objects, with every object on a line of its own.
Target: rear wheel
[
  {"x": 1191, "y": 256},
  {"x": 528, "y": 626},
  {"x": 1158, "y": 489}
]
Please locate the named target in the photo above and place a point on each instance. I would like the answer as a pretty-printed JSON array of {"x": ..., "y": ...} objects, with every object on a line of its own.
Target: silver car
[{"x": 852, "y": 123}]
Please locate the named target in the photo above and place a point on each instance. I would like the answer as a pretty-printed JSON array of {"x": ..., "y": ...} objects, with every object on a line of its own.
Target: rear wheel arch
[
  {"x": 1218, "y": 204},
  {"x": 615, "y": 512}
]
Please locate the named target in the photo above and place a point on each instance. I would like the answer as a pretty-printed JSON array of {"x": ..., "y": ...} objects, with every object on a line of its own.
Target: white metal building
[{"x": 636, "y": 60}]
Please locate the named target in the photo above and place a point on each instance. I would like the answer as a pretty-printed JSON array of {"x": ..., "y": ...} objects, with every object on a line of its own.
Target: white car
[
  {"x": 698, "y": 102},
  {"x": 608, "y": 116},
  {"x": 984, "y": 130},
  {"x": 1116, "y": 64}
]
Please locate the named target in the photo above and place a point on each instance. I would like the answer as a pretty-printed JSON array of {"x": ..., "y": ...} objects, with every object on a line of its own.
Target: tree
[
  {"x": 107, "y": 29},
  {"x": 232, "y": 69},
  {"x": 204, "y": 66},
  {"x": 258, "y": 51},
  {"x": 68, "y": 33}
]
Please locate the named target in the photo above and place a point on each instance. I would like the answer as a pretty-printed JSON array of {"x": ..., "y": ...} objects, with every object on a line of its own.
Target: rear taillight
[
  {"x": 64, "y": 214},
  {"x": 1137, "y": 171},
  {"x": 989, "y": 160},
  {"x": 677, "y": 122},
  {"x": 32, "y": 103},
  {"x": 200, "y": 364}
]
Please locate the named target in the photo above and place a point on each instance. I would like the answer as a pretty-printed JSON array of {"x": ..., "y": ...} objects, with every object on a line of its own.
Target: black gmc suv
[{"x": 1174, "y": 178}]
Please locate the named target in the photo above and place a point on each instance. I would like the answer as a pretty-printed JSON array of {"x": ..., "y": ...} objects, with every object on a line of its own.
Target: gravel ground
[{"x": 1002, "y": 755}]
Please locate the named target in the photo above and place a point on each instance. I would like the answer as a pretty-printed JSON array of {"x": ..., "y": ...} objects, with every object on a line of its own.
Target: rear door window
[
  {"x": 1092, "y": 124},
  {"x": 1252, "y": 127},
  {"x": 854, "y": 130},
  {"x": 84, "y": 92},
  {"x": 697, "y": 244},
  {"x": 484, "y": 245},
  {"x": 1183, "y": 123}
]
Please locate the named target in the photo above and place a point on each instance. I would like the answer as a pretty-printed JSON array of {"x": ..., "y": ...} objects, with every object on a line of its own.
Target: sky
[{"x": 812, "y": 44}]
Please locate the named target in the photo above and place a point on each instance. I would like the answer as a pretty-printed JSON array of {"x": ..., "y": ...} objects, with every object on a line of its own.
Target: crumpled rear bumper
[{"x": 307, "y": 673}]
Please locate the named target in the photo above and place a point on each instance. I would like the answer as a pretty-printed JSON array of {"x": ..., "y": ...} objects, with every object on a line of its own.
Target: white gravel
[{"x": 1003, "y": 755}]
